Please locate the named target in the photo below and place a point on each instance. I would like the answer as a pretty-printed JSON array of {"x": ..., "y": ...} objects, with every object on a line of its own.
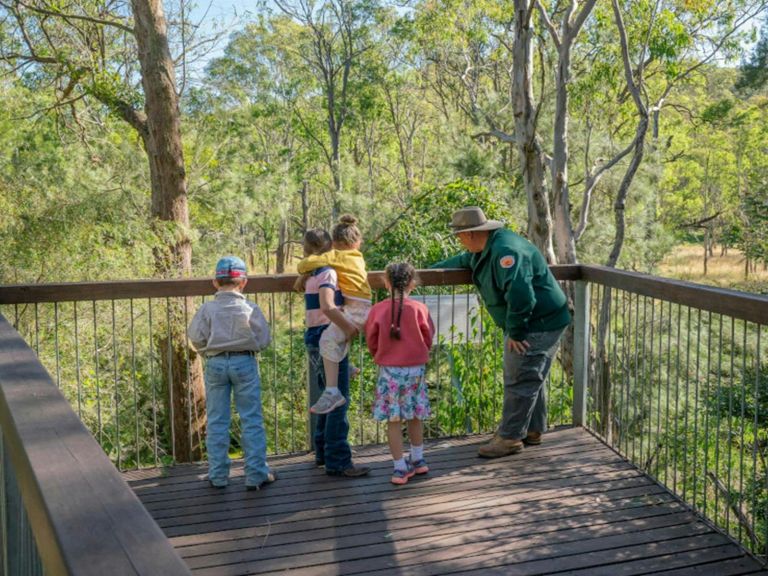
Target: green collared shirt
[{"x": 516, "y": 285}]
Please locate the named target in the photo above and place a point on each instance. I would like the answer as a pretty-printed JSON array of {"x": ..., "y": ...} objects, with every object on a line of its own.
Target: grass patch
[{"x": 686, "y": 262}]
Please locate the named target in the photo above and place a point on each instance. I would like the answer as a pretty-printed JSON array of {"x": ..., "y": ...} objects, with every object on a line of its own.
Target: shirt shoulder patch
[{"x": 507, "y": 261}]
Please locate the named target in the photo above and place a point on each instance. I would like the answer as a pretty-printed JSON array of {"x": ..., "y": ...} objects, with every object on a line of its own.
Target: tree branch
[{"x": 93, "y": 20}]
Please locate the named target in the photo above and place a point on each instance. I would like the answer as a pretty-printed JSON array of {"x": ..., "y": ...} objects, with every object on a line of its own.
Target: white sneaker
[{"x": 327, "y": 402}]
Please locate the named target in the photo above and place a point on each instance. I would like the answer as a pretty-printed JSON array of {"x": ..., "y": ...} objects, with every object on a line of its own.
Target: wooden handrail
[
  {"x": 732, "y": 303},
  {"x": 741, "y": 305},
  {"x": 85, "y": 519},
  {"x": 115, "y": 290}
]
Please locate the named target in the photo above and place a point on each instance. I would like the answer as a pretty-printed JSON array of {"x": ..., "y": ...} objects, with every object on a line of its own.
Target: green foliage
[
  {"x": 420, "y": 234},
  {"x": 754, "y": 70}
]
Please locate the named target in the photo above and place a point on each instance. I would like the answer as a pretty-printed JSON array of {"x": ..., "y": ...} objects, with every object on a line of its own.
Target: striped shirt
[{"x": 316, "y": 321}]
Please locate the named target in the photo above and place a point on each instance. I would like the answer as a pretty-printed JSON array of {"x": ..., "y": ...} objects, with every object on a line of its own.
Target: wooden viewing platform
[{"x": 571, "y": 506}]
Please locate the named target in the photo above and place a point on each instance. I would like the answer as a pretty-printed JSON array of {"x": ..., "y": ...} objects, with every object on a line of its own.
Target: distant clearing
[{"x": 687, "y": 263}]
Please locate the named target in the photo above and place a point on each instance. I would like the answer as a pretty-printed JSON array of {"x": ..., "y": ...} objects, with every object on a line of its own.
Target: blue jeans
[
  {"x": 331, "y": 430},
  {"x": 525, "y": 391},
  {"x": 238, "y": 375}
]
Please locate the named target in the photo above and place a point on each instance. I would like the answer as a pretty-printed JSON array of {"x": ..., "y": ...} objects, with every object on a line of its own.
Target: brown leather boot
[
  {"x": 499, "y": 447},
  {"x": 533, "y": 439}
]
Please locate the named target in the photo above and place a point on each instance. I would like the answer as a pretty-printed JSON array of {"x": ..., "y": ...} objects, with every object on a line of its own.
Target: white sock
[
  {"x": 332, "y": 390},
  {"x": 417, "y": 453},
  {"x": 400, "y": 464}
]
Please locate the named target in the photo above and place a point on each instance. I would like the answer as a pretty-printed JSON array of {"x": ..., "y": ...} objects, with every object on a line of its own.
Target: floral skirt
[{"x": 401, "y": 394}]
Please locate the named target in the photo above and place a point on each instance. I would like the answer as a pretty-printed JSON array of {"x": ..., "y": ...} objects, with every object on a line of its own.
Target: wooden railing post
[{"x": 580, "y": 353}]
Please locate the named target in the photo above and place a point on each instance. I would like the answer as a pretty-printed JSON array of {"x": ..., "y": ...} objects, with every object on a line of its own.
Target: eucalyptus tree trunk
[
  {"x": 572, "y": 22},
  {"x": 532, "y": 157},
  {"x": 184, "y": 395}
]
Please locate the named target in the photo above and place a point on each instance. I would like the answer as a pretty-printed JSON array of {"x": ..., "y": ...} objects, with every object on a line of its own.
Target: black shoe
[
  {"x": 319, "y": 462},
  {"x": 218, "y": 486},
  {"x": 271, "y": 477},
  {"x": 351, "y": 472}
]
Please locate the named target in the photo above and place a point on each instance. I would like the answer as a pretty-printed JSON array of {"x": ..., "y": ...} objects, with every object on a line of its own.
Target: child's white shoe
[{"x": 328, "y": 402}]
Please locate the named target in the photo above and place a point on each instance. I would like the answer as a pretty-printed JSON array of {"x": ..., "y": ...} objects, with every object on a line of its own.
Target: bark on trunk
[
  {"x": 184, "y": 389},
  {"x": 565, "y": 241},
  {"x": 532, "y": 157}
]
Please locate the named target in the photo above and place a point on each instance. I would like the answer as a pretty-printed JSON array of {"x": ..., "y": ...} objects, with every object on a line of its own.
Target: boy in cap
[{"x": 229, "y": 331}]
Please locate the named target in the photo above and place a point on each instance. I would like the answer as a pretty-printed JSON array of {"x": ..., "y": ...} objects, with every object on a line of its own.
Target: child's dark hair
[
  {"x": 400, "y": 275},
  {"x": 346, "y": 231},
  {"x": 317, "y": 241},
  {"x": 230, "y": 281}
]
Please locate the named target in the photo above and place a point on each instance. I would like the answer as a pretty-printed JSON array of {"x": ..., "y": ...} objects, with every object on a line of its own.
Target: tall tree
[
  {"x": 85, "y": 51},
  {"x": 754, "y": 70},
  {"x": 572, "y": 19},
  {"x": 334, "y": 37}
]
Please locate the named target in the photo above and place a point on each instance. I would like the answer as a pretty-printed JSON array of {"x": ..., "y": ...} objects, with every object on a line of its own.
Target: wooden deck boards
[{"x": 571, "y": 506}]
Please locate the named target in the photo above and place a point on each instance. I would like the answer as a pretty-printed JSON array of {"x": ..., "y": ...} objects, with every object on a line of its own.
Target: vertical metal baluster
[
  {"x": 706, "y": 413},
  {"x": 291, "y": 378},
  {"x": 188, "y": 376},
  {"x": 117, "y": 388},
  {"x": 666, "y": 436},
  {"x": 37, "y": 330},
  {"x": 742, "y": 425},
  {"x": 272, "y": 319},
  {"x": 15, "y": 320},
  {"x": 594, "y": 376},
  {"x": 610, "y": 343},
  {"x": 453, "y": 336},
  {"x": 617, "y": 301},
  {"x": 688, "y": 409},
  {"x": 481, "y": 398},
  {"x": 467, "y": 352},
  {"x": 96, "y": 372},
  {"x": 641, "y": 385},
  {"x": 730, "y": 431},
  {"x": 658, "y": 443},
  {"x": 373, "y": 389},
  {"x": 676, "y": 434},
  {"x": 152, "y": 381},
  {"x": 696, "y": 419},
  {"x": 718, "y": 404},
  {"x": 601, "y": 376},
  {"x": 628, "y": 360},
  {"x": 438, "y": 360},
  {"x": 169, "y": 361},
  {"x": 135, "y": 387},
  {"x": 78, "y": 379},
  {"x": 495, "y": 395},
  {"x": 360, "y": 384},
  {"x": 755, "y": 446},
  {"x": 636, "y": 368},
  {"x": 56, "y": 342},
  {"x": 758, "y": 376},
  {"x": 650, "y": 383}
]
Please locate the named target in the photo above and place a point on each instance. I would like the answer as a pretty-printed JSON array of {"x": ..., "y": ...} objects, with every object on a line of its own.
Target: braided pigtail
[{"x": 400, "y": 276}]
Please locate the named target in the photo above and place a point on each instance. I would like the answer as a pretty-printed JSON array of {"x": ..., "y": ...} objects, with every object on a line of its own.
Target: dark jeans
[
  {"x": 525, "y": 391},
  {"x": 331, "y": 429}
]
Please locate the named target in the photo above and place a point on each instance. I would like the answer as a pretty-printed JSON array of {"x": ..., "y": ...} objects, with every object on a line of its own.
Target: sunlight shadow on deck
[{"x": 570, "y": 506}]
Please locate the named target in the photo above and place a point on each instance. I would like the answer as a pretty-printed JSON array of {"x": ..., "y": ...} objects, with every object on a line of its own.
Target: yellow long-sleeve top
[{"x": 350, "y": 267}]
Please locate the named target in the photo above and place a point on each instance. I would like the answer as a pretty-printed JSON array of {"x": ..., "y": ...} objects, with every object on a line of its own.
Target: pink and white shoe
[{"x": 401, "y": 477}]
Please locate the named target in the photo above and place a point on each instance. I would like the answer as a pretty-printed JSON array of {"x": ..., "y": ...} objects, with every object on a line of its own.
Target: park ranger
[{"x": 526, "y": 302}]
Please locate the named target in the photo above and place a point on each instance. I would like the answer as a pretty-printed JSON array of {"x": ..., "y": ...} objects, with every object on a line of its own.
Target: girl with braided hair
[{"x": 399, "y": 333}]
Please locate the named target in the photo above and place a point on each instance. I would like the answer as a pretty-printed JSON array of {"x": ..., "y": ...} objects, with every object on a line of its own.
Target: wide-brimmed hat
[{"x": 472, "y": 219}]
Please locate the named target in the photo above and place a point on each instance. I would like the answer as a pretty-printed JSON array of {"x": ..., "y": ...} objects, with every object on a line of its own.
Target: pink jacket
[{"x": 416, "y": 333}]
